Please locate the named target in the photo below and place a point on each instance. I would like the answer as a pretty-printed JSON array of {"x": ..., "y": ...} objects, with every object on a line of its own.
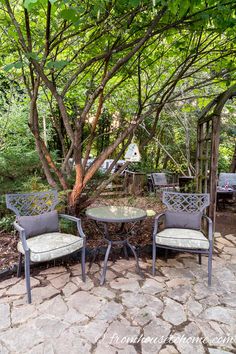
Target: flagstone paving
[{"x": 173, "y": 312}]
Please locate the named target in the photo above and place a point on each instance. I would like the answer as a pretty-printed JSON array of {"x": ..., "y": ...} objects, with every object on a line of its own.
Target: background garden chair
[
  {"x": 160, "y": 182},
  {"x": 227, "y": 179},
  {"x": 183, "y": 226},
  {"x": 226, "y": 191},
  {"x": 37, "y": 222}
]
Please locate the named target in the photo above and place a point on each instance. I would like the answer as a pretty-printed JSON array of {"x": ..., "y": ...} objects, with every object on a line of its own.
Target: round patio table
[{"x": 119, "y": 215}]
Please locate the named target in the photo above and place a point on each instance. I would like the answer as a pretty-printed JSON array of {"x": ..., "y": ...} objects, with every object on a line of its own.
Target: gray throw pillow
[
  {"x": 183, "y": 220},
  {"x": 39, "y": 224}
]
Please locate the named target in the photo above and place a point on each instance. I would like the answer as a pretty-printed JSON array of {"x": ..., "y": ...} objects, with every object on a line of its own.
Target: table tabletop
[
  {"x": 116, "y": 214},
  {"x": 225, "y": 191}
]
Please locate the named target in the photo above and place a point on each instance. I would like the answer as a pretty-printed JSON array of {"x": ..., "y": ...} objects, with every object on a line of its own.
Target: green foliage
[
  {"x": 32, "y": 55},
  {"x": 187, "y": 59},
  {"x": 68, "y": 226},
  {"x": 14, "y": 164},
  {"x": 58, "y": 64},
  {"x": 227, "y": 138},
  {"x": 18, "y": 158},
  {"x": 34, "y": 183},
  {"x": 16, "y": 65},
  {"x": 6, "y": 217},
  {"x": 189, "y": 187},
  {"x": 70, "y": 14},
  {"x": 31, "y": 4},
  {"x": 6, "y": 223}
]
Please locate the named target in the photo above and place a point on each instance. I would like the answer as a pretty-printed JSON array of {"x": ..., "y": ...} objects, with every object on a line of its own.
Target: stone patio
[{"x": 174, "y": 312}]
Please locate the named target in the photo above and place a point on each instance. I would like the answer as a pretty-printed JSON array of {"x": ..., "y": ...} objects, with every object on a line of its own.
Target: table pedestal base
[
  {"x": 125, "y": 244},
  {"x": 127, "y": 220}
]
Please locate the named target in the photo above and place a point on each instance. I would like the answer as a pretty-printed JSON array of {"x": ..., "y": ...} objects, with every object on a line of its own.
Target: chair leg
[
  {"x": 200, "y": 258},
  {"x": 83, "y": 264},
  {"x": 209, "y": 267},
  {"x": 19, "y": 265},
  {"x": 27, "y": 275},
  {"x": 154, "y": 258}
]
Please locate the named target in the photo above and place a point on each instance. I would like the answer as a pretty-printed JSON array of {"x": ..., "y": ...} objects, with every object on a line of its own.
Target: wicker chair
[
  {"x": 38, "y": 227},
  {"x": 183, "y": 226}
]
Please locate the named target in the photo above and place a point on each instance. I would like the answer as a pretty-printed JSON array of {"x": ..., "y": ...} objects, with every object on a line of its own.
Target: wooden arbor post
[
  {"x": 208, "y": 139},
  {"x": 207, "y": 158}
]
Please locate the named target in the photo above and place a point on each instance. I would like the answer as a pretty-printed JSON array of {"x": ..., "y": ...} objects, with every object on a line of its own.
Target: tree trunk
[
  {"x": 45, "y": 166},
  {"x": 165, "y": 162},
  {"x": 44, "y": 154}
]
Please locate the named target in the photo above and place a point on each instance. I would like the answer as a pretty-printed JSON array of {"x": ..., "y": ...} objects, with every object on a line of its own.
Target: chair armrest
[
  {"x": 22, "y": 236},
  {"x": 210, "y": 228},
  {"x": 156, "y": 222},
  {"x": 77, "y": 220}
]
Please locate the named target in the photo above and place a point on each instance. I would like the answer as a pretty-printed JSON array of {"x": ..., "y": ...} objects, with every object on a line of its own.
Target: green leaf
[
  {"x": 16, "y": 65},
  {"x": 183, "y": 8},
  {"x": 31, "y": 4},
  {"x": 58, "y": 64},
  {"x": 31, "y": 55},
  {"x": 53, "y": 1},
  {"x": 134, "y": 2},
  {"x": 173, "y": 7},
  {"x": 69, "y": 14},
  {"x": 8, "y": 67},
  {"x": 28, "y": 3}
]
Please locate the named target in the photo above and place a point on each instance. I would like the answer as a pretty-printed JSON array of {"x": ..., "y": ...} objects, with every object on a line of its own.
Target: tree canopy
[{"x": 96, "y": 73}]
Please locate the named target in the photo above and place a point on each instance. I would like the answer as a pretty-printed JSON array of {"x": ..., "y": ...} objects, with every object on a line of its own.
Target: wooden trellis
[
  {"x": 208, "y": 140},
  {"x": 208, "y": 137}
]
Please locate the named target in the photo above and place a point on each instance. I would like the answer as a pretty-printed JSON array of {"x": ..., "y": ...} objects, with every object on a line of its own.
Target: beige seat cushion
[
  {"x": 182, "y": 238},
  {"x": 52, "y": 245}
]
